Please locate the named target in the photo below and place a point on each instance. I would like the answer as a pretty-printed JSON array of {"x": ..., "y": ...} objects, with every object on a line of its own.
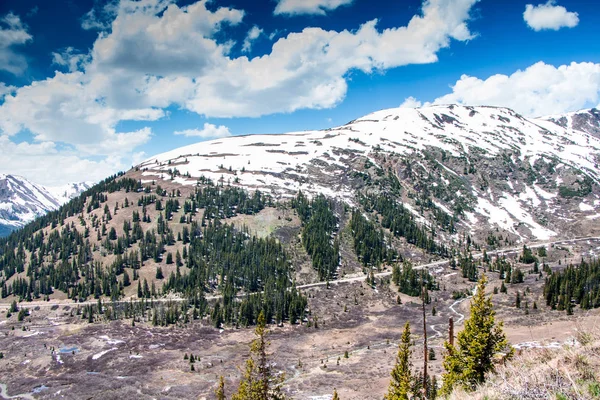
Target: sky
[{"x": 89, "y": 87}]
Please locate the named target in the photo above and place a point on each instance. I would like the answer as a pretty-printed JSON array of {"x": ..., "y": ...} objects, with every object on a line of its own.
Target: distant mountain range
[{"x": 21, "y": 201}]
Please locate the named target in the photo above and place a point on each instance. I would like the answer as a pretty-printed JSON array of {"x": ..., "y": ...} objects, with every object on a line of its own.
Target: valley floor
[{"x": 55, "y": 354}]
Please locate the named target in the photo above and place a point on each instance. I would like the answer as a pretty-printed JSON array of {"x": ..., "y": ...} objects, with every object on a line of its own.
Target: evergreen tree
[
  {"x": 259, "y": 382},
  {"x": 401, "y": 383},
  {"x": 480, "y": 340},
  {"x": 220, "y": 392},
  {"x": 335, "y": 395}
]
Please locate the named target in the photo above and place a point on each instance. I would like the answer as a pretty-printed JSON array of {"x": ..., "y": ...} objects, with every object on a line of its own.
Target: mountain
[
  {"x": 21, "y": 201},
  {"x": 584, "y": 120},
  {"x": 491, "y": 167},
  {"x": 416, "y": 184},
  {"x": 69, "y": 191},
  {"x": 332, "y": 235}
]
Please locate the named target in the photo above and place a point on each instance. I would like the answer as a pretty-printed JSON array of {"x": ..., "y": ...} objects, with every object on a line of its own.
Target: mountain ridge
[
  {"x": 21, "y": 201},
  {"x": 322, "y": 162}
]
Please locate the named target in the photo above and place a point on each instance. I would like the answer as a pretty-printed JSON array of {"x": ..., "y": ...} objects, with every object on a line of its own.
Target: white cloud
[
  {"x": 411, "y": 102},
  {"x": 252, "y": 35},
  {"x": 70, "y": 58},
  {"x": 101, "y": 16},
  {"x": 44, "y": 163},
  {"x": 5, "y": 89},
  {"x": 541, "y": 89},
  {"x": 65, "y": 109},
  {"x": 208, "y": 131},
  {"x": 549, "y": 16},
  {"x": 155, "y": 54},
  {"x": 12, "y": 33},
  {"x": 309, "y": 69},
  {"x": 318, "y": 7}
]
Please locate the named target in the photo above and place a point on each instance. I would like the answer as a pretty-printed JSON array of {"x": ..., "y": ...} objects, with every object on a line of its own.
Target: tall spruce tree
[
  {"x": 480, "y": 340},
  {"x": 259, "y": 381},
  {"x": 402, "y": 383}
]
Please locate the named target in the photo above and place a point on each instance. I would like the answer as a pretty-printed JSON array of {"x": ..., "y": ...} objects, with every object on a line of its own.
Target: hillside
[
  {"x": 488, "y": 167},
  {"x": 423, "y": 182}
]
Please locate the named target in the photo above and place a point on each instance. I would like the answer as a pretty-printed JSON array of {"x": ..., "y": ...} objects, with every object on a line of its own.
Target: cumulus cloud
[
  {"x": 317, "y": 7},
  {"x": 540, "y": 89},
  {"x": 6, "y": 89},
  {"x": 208, "y": 131},
  {"x": 101, "y": 16},
  {"x": 12, "y": 34},
  {"x": 411, "y": 102},
  {"x": 549, "y": 16},
  {"x": 44, "y": 163},
  {"x": 70, "y": 58},
  {"x": 64, "y": 109},
  {"x": 252, "y": 35},
  {"x": 158, "y": 54},
  {"x": 308, "y": 69},
  {"x": 154, "y": 54}
]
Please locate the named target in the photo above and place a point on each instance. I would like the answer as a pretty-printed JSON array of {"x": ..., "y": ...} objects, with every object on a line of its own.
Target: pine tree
[
  {"x": 401, "y": 383},
  {"x": 335, "y": 395},
  {"x": 481, "y": 338},
  {"x": 220, "y": 392},
  {"x": 259, "y": 382}
]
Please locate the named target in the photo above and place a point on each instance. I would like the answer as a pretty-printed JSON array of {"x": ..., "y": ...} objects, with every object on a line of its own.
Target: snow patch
[{"x": 98, "y": 355}]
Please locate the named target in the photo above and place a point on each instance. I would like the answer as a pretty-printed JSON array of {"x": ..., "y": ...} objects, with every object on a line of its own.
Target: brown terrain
[{"x": 54, "y": 353}]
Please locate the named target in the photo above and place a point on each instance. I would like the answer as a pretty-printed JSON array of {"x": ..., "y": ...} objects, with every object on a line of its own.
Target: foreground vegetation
[{"x": 568, "y": 372}]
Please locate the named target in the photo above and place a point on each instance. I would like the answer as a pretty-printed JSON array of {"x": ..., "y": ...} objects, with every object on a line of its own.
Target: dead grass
[{"x": 569, "y": 372}]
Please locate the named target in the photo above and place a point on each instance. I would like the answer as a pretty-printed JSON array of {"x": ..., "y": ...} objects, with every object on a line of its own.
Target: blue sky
[{"x": 88, "y": 88}]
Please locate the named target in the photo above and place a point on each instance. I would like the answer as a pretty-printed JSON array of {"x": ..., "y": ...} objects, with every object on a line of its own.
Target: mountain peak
[
  {"x": 587, "y": 120},
  {"x": 21, "y": 201}
]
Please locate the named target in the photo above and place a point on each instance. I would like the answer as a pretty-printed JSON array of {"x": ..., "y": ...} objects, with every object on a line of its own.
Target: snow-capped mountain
[
  {"x": 68, "y": 191},
  {"x": 21, "y": 201},
  {"x": 489, "y": 166},
  {"x": 584, "y": 120}
]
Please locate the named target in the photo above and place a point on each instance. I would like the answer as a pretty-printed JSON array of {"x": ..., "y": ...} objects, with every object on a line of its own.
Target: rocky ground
[{"x": 54, "y": 353}]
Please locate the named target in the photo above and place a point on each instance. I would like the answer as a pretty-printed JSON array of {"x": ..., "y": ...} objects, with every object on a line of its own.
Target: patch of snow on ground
[
  {"x": 543, "y": 194},
  {"x": 530, "y": 196},
  {"x": 98, "y": 355},
  {"x": 111, "y": 341},
  {"x": 495, "y": 215},
  {"x": 585, "y": 207},
  {"x": 511, "y": 205}
]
